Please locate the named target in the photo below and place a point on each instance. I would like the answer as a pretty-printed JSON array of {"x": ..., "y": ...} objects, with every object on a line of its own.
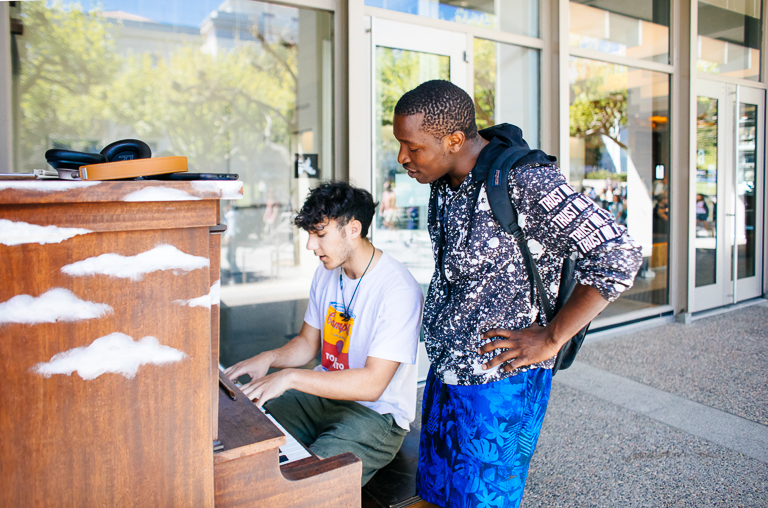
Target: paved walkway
[{"x": 674, "y": 416}]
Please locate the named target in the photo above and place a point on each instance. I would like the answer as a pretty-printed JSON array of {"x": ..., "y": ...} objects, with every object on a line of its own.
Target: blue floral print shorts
[{"x": 477, "y": 441}]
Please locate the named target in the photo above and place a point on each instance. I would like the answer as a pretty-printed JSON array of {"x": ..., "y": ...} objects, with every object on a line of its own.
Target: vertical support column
[
  {"x": 764, "y": 46},
  {"x": 340, "y": 91},
  {"x": 6, "y": 124},
  {"x": 549, "y": 124},
  {"x": 764, "y": 78},
  {"x": 684, "y": 33},
  {"x": 358, "y": 108},
  {"x": 563, "y": 95}
]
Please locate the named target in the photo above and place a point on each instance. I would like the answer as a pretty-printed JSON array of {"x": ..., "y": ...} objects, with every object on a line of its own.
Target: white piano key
[{"x": 292, "y": 449}]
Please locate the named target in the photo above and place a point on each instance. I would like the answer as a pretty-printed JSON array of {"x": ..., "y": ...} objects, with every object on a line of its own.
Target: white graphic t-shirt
[{"x": 385, "y": 320}]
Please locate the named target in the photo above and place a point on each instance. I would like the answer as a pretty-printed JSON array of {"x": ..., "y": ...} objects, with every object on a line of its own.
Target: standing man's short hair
[
  {"x": 337, "y": 201},
  {"x": 446, "y": 108}
]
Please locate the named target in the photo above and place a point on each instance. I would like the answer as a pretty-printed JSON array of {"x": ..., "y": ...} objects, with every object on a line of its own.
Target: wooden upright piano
[{"x": 109, "y": 325}]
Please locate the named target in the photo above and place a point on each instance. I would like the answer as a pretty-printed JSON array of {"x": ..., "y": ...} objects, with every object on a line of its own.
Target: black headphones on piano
[{"x": 123, "y": 150}]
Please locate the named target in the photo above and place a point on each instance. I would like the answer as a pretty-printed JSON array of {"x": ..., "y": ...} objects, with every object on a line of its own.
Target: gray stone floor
[{"x": 668, "y": 417}]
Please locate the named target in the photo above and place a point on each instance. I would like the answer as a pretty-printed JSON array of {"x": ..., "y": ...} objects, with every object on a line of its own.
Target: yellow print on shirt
[{"x": 336, "y": 333}]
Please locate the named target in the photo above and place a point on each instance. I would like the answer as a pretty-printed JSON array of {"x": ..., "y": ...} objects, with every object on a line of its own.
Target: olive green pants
[{"x": 331, "y": 427}]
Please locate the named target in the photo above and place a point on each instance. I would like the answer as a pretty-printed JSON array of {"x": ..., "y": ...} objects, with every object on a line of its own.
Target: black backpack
[{"x": 505, "y": 214}]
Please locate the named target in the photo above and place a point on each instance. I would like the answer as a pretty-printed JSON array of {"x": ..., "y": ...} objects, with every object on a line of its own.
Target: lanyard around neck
[{"x": 347, "y": 314}]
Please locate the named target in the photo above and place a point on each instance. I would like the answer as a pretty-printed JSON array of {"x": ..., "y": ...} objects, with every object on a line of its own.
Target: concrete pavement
[{"x": 673, "y": 416}]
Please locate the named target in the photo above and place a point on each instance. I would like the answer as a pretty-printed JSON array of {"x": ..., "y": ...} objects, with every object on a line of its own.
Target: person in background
[
  {"x": 388, "y": 206},
  {"x": 617, "y": 209}
]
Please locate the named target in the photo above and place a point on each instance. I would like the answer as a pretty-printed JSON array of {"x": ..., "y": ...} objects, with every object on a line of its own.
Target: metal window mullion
[
  {"x": 726, "y": 79},
  {"x": 592, "y": 54},
  {"x": 764, "y": 49},
  {"x": 692, "y": 147},
  {"x": 6, "y": 95},
  {"x": 324, "y": 5},
  {"x": 469, "y": 58},
  {"x": 441, "y": 24}
]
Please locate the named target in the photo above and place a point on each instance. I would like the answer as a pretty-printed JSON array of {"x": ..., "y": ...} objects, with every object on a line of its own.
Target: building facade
[{"x": 654, "y": 108}]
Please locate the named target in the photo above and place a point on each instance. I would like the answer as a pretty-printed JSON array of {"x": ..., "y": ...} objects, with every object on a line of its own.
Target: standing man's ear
[{"x": 454, "y": 141}]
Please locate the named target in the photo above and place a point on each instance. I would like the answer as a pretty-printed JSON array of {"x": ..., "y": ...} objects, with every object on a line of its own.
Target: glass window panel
[
  {"x": 746, "y": 188},
  {"x": 400, "y": 225},
  {"x": 507, "y": 87},
  {"x": 706, "y": 191},
  {"x": 633, "y": 28},
  {"x": 236, "y": 87},
  {"x": 730, "y": 38},
  {"x": 520, "y": 17},
  {"x": 619, "y": 157}
]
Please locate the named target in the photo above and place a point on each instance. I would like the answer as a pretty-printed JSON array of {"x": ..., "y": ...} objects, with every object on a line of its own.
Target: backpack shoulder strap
[{"x": 497, "y": 189}]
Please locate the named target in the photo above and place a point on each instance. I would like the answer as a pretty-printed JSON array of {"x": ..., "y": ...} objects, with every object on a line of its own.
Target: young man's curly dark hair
[
  {"x": 336, "y": 201},
  {"x": 446, "y": 108}
]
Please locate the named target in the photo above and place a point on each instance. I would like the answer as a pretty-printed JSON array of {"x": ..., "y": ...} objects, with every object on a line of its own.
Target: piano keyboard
[{"x": 292, "y": 450}]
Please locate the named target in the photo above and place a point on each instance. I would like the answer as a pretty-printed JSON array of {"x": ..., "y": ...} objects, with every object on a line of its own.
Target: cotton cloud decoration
[
  {"x": 46, "y": 187},
  {"x": 212, "y": 298},
  {"x": 116, "y": 353},
  {"x": 57, "y": 304},
  {"x": 19, "y": 233},
  {"x": 162, "y": 257},
  {"x": 160, "y": 194}
]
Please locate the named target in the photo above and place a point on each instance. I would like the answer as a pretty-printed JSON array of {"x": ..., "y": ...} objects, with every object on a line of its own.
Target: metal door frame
[
  {"x": 422, "y": 39},
  {"x": 728, "y": 288}
]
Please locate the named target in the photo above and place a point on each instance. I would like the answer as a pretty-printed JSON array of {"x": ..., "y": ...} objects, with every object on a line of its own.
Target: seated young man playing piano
[{"x": 364, "y": 317}]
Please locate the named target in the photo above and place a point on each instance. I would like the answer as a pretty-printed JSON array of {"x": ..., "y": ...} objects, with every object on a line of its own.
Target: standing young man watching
[
  {"x": 491, "y": 353},
  {"x": 364, "y": 317}
]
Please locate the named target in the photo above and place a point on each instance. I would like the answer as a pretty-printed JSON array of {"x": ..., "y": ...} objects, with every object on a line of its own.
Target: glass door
[
  {"x": 730, "y": 147},
  {"x": 404, "y": 56},
  {"x": 749, "y": 198}
]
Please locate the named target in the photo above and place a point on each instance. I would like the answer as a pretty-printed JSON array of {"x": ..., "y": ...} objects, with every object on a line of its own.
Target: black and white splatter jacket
[{"x": 483, "y": 282}]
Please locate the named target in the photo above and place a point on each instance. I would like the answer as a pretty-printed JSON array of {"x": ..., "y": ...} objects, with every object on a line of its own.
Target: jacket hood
[{"x": 512, "y": 135}]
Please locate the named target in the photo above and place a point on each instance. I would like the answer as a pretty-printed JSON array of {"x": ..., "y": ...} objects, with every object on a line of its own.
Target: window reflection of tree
[
  {"x": 593, "y": 116},
  {"x": 210, "y": 108},
  {"x": 229, "y": 110},
  {"x": 706, "y": 167},
  {"x": 600, "y": 94},
  {"x": 399, "y": 71}
]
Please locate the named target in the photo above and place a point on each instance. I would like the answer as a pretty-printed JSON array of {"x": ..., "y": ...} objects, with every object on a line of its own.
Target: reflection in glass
[
  {"x": 507, "y": 87},
  {"x": 730, "y": 37},
  {"x": 633, "y": 28},
  {"x": 619, "y": 158},
  {"x": 706, "y": 191},
  {"x": 219, "y": 84},
  {"x": 400, "y": 227},
  {"x": 520, "y": 17},
  {"x": 746, "y": 186}
]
